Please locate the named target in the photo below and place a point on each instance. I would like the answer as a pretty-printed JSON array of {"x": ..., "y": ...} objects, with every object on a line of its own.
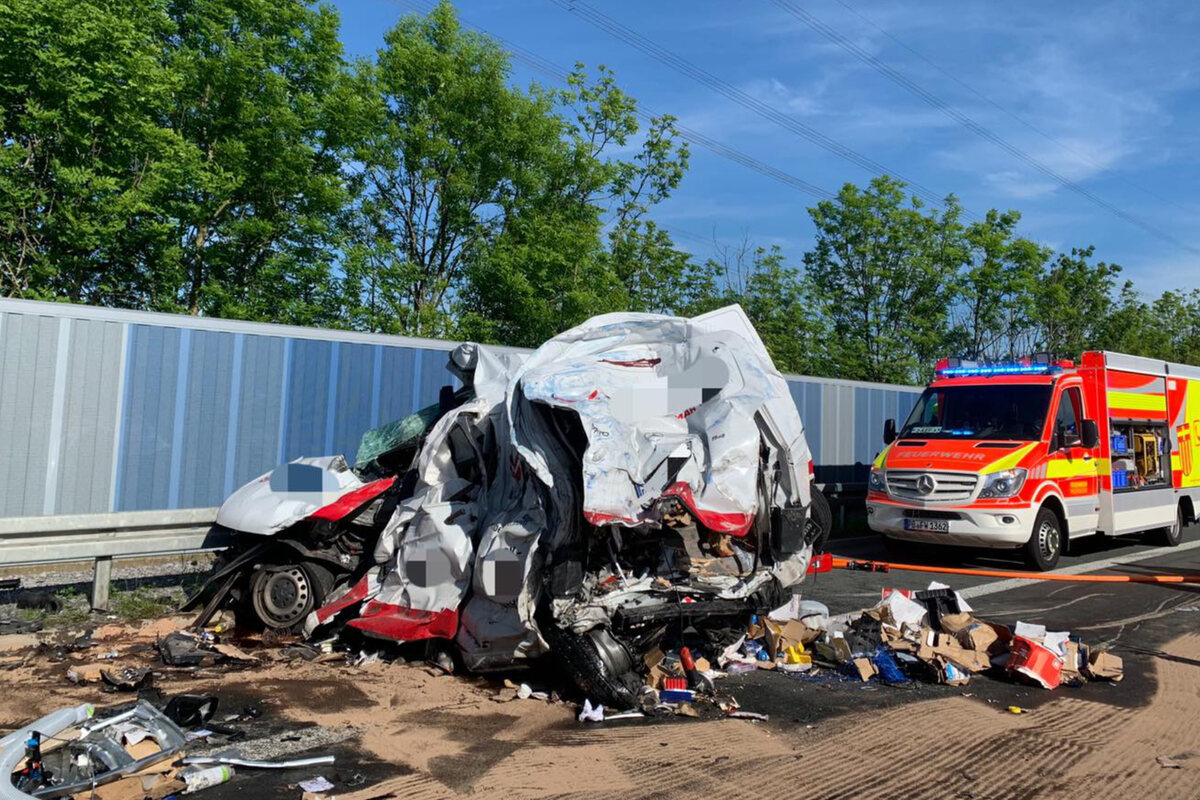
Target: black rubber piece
[
  {"x": 1169, "y": 536},
  {"x": 581, "y": 660},
  {"x": 1034, "y": 557},
  {"x": 821, "y": 515},
  {"x": 191, "y": 710}
]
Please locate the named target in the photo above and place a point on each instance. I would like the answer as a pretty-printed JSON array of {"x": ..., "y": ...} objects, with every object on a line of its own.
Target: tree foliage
[
  {"x": 221, "y": 157},
  {"x": 882, "y": 271}
]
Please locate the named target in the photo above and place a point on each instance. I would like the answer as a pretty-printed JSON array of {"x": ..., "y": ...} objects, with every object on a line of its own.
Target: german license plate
[{"x": 934, "y": 525}]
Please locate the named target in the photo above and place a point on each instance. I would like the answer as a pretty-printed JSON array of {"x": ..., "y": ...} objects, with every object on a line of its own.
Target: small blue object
[
  {"x": 763, "y": 656},
  {"x": 676, "y": 695},
  {"x": 1120, "y": 444},
  {"x": 889, "y": 670}
]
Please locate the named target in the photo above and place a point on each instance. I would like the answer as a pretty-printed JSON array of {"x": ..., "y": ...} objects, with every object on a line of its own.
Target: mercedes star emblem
[{"x": 926, "y": 484}]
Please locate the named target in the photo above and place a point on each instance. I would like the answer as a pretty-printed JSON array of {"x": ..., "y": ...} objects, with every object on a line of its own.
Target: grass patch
[{"x": 139, "y": 604}]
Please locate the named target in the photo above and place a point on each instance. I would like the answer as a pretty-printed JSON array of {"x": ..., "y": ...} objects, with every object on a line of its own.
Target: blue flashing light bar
[{"x": 998, "y": 369}]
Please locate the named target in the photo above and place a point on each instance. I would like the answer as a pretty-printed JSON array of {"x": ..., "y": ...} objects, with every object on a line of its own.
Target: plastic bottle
[{"x": 207, "y": 778}]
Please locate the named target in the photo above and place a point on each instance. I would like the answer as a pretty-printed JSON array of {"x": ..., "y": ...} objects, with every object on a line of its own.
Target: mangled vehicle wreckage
[{"x": 634, "y": 478}]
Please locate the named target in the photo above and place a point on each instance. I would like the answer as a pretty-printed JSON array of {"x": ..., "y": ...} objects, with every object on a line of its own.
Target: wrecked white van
[{"x": 635, "y": 477}]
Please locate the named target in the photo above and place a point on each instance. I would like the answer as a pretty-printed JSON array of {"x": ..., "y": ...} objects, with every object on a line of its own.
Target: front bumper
[{"x": 1004, "y": 528}]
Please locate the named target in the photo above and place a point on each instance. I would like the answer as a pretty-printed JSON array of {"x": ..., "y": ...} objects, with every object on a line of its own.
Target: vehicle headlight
[
  {"x": 1003, "y": 484},
  {"x": 877, "y": 483}
]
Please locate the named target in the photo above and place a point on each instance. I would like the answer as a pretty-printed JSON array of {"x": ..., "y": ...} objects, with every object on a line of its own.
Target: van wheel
[
  {"x": 599, "y": 664},
  {"x": 1044, "y": 547},
  {"x": 820, "y": 521},
  {"x": 282, "y": 596},
  {"x": 1171, "y": 535}
]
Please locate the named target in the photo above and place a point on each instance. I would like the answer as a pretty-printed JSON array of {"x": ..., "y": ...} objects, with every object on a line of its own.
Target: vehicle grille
[{"x": 949, "y": 487}]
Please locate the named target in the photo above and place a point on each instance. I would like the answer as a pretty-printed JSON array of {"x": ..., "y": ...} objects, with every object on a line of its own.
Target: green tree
[
  {"x": 1072, "y": 300},
  {"x": 246, "y": 211},
  {"x": 82, "y": 88},
  {"x": 993, "y": 296},
  {"x": 481, "y": 208},
  {"x": 881, "y": 270},
  {"x": 169, "y": 154}
]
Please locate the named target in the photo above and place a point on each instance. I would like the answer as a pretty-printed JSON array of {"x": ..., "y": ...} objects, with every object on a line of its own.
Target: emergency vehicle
[{"x": 1035, "y": 454}]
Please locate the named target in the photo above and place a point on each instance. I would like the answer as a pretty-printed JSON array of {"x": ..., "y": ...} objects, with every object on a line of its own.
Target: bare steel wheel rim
[
  {"x": 1048, "y": 540},
  {"x": 283, "y": 595}
]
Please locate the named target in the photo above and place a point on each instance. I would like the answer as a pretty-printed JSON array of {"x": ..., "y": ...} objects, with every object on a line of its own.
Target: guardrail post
[{"x": 101, "y": 578}]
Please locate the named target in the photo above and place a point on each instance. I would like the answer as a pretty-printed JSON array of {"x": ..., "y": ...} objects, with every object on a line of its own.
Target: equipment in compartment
[{"x": 1138, "y": 451}]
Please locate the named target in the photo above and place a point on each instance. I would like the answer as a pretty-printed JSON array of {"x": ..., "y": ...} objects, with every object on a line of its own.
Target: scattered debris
[
  {"x": 233, "y": 761},
  {"x": 128, "y": 746},
  {"x": 207, "y": 778},
  {"x": 590, "y": 713},
  {"x": 1168, "y": 763},
  {"x": 316, "y": 785}
]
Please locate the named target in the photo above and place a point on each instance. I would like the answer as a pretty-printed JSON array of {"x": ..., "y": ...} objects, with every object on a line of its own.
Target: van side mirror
[
  {"x": 1089, "y": 433},
  {"x": 889, "y": 431}
]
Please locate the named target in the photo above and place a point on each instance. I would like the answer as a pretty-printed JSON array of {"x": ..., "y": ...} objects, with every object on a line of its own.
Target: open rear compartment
[{"x": 1140, "y": 455}]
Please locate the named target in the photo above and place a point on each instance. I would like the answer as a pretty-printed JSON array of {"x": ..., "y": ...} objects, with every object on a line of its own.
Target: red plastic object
[
  {"x": 404, "y": 624},
  {"x": 1035, "y": 661},
  {"x": 353, "y": 500},
  {"x": 822, "y": 562},
  {"x": 674, "y": 684}
]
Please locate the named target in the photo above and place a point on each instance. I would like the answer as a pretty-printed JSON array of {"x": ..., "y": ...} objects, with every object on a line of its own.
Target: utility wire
[
  {"x": 727, "y": 90},
  {"x": 547, "y": 67},
  {"x": 979, "y": 130},
  {"x": 1002, "y": 109}
]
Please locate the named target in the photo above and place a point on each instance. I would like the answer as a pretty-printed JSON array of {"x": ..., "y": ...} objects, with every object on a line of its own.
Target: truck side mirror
[
  {"x": 1089, "y": 433},
  {"x": 889, "y": 431}
]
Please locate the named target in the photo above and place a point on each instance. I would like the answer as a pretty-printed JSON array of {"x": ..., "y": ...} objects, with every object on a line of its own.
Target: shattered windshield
[{"x": 1002, "y": 411}]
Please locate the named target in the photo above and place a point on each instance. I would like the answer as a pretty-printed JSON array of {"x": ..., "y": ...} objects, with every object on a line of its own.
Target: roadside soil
[{"x": 407, "y": 730}]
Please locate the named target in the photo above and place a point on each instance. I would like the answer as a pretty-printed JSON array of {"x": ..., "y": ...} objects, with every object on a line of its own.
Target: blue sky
[{"x": 1106, "y": 95}]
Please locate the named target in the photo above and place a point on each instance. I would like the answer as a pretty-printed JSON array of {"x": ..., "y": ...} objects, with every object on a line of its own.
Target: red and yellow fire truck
[{"x": 1034, "y": 454}]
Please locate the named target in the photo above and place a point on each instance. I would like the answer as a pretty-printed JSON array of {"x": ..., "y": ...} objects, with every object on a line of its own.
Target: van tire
[
  {"x": 1045, "y": 544},
  {"x": 1171, "y": 535},
  {"x": 820, "y": 520},
  {"x": 600, "y": 680}
]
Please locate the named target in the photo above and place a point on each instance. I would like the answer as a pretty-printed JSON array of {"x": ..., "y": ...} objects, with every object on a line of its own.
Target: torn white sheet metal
[
  {"x": 287, "y": 494},
  {"x": 667, "y": 407}
]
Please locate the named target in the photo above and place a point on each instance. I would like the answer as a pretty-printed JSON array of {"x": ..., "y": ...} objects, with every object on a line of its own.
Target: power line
[
  {"x": 979, "y": 130},
  {"x": 548, "y": 67},
  {"x": 1002, "y": 109},
  {"x": 727, "y": 90}
]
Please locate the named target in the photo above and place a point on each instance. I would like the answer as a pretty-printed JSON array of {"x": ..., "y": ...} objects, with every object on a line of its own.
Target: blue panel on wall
[
  {"x": 396, "y": 383},
  {"x": 861, "y": 429},
  {"x": 812, "y": 423},
  {"x": 148, "y": 419},
  {"x": 356, "y": 379},
  {"x": 205, "y": 434},
  {"x": 308, "y": 390},
  {"x": 260, "y": 405}
]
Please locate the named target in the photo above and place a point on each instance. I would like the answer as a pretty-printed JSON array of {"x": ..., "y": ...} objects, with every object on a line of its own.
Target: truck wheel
[
  {"x": 1044, "y": 547},
  {"x": 1171, "y": 535},
  {"x": 820, "y": 521},
  {"x": 599, "y": 664},
  {"x": 282, "y": 596}
]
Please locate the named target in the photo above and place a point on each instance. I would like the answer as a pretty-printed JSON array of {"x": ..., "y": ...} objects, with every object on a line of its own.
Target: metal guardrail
[
  {"x": 26, "y": 541},
  {"x": 102, "y": 537}
]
